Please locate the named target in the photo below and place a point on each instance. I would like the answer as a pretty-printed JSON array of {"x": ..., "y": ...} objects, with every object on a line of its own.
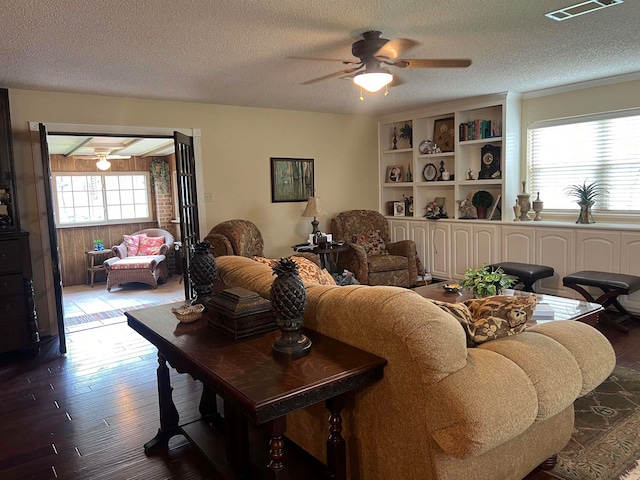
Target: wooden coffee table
[
  {"x": 255, "y": 387},
  {"x": 563, "y": 308}
]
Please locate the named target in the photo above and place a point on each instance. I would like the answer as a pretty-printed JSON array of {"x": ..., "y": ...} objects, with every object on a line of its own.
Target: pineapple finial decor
[
  {"x": 289, "y": 299},
  {"x": 203, "y": 271}
]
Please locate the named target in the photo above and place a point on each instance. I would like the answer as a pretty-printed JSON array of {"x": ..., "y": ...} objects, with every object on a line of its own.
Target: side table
[
  {"x": 96, "y": 255},
  {"x": 323, "y": 252}
]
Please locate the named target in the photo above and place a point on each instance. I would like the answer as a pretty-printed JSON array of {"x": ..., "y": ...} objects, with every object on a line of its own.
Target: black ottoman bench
[
  {"x": 527, "y": 273},
  {"x": 612, "y": 285}
]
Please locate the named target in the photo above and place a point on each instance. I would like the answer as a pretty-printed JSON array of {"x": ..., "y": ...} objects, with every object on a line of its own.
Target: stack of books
[{"x": 543, "y": 311}]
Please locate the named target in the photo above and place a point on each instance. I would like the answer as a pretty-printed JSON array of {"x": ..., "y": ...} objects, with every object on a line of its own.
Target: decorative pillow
[
  {"x": 150, "y": 245},
  {"x": 493, "y": 317},
  {"x": 372, "y": 243},
  {"x": 309, "y": 272},
  {"x": 132, "y": 243}
]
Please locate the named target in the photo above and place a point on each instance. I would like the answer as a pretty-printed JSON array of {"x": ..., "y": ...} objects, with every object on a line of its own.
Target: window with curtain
[
  {"x": 602, "y": 148},
  {"x": 83, "y": 199}
]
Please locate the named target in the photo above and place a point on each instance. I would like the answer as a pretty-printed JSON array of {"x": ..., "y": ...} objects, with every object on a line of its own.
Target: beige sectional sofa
[{"x": 442, "y": 410}]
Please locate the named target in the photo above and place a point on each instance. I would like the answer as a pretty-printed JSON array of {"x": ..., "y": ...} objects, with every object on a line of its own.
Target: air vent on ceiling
[{"x": 581, "y": 8}]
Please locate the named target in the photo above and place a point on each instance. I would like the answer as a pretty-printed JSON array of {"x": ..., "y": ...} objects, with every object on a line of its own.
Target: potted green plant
[
  {"x": 406, "y": 132},
  {"x": 485, "y": 281},
  {"x": 482, "y": 200},
  {"x": 98, "y": 245},
  {"x": 585, "y": 196}
]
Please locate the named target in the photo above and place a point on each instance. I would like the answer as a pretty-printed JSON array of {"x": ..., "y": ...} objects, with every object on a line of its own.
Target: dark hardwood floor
[{"x": 86, "y": 415}]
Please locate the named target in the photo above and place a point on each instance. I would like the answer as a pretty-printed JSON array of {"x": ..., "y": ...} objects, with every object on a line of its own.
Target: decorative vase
[
  {"x": 202, "y": 271},
  {"x": 482, "y": 212},
  {"x": 525, "y": 204},
  {"x": 537, "y": 207},
  {"x": 289, "y": 299},
  {"x": 516, "y": 211},
  {"x": 98, "y": 247},
  {"x": 585, "y": 213}
]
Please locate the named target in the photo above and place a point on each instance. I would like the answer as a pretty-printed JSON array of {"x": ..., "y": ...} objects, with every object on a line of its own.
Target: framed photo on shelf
[
  {"x": 395, "y": 173},
  {"x": 398, "y": 209},
  {"x": 292, "y": 179},
  {"x": 444, "y": 135}
]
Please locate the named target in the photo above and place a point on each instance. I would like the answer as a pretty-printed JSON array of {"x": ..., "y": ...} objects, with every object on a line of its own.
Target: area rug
[
  {"x": 116, "y": 312},
  {"x": 606, "y": 440}
]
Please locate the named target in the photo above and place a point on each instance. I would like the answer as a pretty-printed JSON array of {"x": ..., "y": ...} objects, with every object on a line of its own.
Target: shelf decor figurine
[
  {"x": 525, "y": 204},
  {"x": 585, "y": 196},
  {"x": 289, "y": 299},
  {"x": 516, "y": 211},
  {"x": 395, "y": 139},
  {"x": 409, "y": 175},
  {"x": 537, "y": 207}
]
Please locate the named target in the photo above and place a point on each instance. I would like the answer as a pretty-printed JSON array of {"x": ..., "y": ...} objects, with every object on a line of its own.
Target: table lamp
[{"x": 313, "y": 210}]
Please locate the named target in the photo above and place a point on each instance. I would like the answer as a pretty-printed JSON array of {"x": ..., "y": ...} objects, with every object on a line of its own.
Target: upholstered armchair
[
  {"x": 141, "y": 257},
  {"x": 372, "y": 257},
  {"x": 235, "y": 237}
]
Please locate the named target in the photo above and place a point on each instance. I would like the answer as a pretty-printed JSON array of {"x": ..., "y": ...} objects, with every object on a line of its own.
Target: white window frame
[
  {"x": 107, "y": 220},
  {"x": 589, "y": 172}
]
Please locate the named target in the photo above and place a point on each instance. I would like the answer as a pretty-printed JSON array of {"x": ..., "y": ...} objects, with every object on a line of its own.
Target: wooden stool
[
  {"x": 527, "y": 273},
  {"x": 612, "y": 286}
]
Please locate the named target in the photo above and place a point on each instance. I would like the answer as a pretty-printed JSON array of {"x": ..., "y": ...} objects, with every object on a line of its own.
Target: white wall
[{"x": 237, "y": 143}]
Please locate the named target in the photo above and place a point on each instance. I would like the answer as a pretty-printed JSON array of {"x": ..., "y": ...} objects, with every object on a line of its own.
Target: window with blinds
[{"x": 601, "y": 148}]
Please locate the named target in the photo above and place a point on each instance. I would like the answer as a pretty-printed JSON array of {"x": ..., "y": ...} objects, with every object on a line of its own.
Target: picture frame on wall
[
  {"x": 292, "y": 179},
  {"x": 444, "y": 134},
  {"x": 395, "y": 173}
]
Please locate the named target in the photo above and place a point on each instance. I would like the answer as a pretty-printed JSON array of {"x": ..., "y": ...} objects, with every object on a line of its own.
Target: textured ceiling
[{"x": 234, "y": 52}]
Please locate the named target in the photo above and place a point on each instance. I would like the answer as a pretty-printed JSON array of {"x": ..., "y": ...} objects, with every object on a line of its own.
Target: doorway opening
[{"x": 104, "y": 187}]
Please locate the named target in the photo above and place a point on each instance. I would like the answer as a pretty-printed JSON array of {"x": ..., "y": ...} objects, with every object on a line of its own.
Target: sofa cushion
[
  {"x": 386, "y": 263},
  {"x": 150, "y": 245},
  {"x": 140, "y": 261},
  {"x": 516, "y": 310},
  {"x": 132, "y": 243},
  {"x": 372, "y": 242},
  {"x": 309, "y": 272}
]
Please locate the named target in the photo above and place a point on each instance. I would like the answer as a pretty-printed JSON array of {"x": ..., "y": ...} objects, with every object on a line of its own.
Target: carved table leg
[
  {"x": 236, "y": 432},
  {"x": 168, "y": 414},
  {"x": 336, "y": 448},
  {"x": 275, "y": 430}
]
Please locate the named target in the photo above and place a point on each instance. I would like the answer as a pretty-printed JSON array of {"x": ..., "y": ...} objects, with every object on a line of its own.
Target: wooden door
[
  {"x": 53, "y": 238},
  {"x": 187, "y": 204}
]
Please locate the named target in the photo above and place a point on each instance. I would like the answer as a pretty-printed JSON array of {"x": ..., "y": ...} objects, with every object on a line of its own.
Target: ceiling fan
[
  {"x": 374, "y": 52},
  {"x": 103, "y": 156}
]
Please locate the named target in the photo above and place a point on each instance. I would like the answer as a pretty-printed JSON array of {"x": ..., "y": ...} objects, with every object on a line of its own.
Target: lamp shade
[
  {"x": 313, "y": 208},
  {"x": 373, "y": 81},
  {"x": 103, "y": 163}
]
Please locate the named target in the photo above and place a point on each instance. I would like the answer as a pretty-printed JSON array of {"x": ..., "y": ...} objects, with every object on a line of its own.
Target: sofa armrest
[
  {"x": 120, "y": 251},
  {"x": 355, "y": 260},
  {"x": 164, "y": 249},
  {"x": 220, "y": 244},
  {"x": 406, "y": 248}
]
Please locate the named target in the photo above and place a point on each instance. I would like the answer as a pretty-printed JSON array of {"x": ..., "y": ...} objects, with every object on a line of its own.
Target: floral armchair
[
  {"x": 236, "y": 237},
  {"x": 140, "y": 258},
  {"x": 372, "y": 257}
]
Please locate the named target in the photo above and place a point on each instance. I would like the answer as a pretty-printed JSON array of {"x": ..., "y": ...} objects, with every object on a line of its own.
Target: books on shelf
[
  {"x": 479, "y": 129},
  {"x": 543, "y": 311}
]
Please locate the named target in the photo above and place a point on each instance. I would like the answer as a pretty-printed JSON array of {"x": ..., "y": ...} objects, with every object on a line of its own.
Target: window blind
[{"x": 601, "y": 148}]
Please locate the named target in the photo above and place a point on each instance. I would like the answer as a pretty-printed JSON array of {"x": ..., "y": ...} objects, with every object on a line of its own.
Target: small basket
[{"x": 188, "y": 313}]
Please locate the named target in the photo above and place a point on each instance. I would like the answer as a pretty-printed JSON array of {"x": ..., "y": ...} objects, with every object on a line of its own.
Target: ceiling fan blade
[
  {"x": 332, "y": 75},
  {"x": 435, "y": 63},
  {"x": 394, "y": 48},
  {"x": 346, "y": 62}
]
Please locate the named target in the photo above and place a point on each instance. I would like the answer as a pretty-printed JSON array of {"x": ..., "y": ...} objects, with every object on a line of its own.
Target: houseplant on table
[
  {"x": 485, "y": 281},
  {"x": 585, "y": 196},
  {"x": 482, "y": 200}
]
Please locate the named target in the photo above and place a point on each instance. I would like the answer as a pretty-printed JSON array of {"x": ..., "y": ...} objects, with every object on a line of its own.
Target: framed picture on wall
[{"x": 292, "y": 179}]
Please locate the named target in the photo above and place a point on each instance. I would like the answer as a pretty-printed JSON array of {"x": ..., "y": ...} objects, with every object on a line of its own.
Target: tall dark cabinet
[{"x": 18, "y": 320}]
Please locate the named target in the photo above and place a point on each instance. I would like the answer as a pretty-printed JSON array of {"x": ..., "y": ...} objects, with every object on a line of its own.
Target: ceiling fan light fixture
[
  {"x": 373, "y": 81},
  {"x": 102, "y": 163}
]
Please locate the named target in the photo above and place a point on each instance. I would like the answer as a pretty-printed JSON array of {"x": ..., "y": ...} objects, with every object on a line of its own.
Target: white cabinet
[
  {"x": 555, "y": 247},
  {"x": 473, "y": 245},
  {"x": 517, "y": 244},
  {"x": 439, "y": 249},
  {"x": 496, "y": 122},
  {"x": 461, "y": 249},
  {"x": 630, "y": 264},
  {"x": 399, "y": 230},
  {"x": 419, "y": 233},
  {"x": 598, "y": 250}
]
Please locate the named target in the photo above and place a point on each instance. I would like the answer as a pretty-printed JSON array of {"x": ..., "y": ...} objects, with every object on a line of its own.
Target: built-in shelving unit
[{"x": 494, "y": 117}]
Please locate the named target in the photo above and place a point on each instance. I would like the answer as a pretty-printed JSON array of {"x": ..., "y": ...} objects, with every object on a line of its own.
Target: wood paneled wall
[{"x": 74, "y": 242}]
